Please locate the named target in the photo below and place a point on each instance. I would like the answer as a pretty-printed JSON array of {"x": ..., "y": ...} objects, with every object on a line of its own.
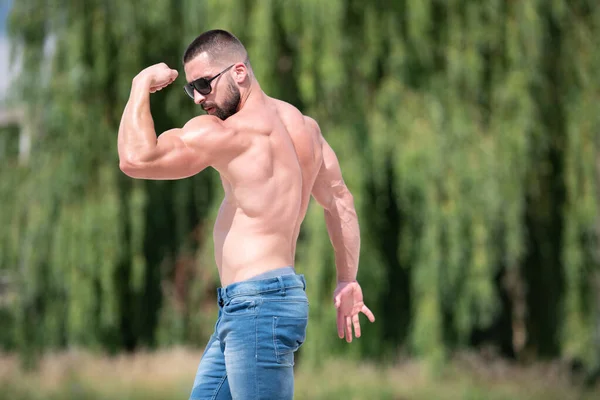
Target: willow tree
[
  {"x": 90, "y": 247},
  {"x": 466, "y": 132}
]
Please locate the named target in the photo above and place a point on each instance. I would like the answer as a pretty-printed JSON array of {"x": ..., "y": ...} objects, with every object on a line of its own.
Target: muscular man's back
[
  {"x": 267, "y": 190},
  {"x": 271, "y": 160}
]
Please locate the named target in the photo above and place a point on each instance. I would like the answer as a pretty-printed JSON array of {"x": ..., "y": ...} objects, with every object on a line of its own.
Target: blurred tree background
[{"x": 468, "y": 132}]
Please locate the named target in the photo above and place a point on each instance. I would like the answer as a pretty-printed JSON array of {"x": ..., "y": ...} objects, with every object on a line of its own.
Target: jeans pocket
[
  {"x": 288, "y": 335},
  {"x": 240, "y": 306}
]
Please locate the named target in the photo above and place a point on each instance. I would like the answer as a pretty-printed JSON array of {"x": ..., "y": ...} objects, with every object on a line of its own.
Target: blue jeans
[{"x": 250, "y": 355}]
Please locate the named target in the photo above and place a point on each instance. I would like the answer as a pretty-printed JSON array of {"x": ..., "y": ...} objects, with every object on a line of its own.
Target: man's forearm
[
  {"x": 344, "y": 233},
  {"x": 136, "y": 131}
]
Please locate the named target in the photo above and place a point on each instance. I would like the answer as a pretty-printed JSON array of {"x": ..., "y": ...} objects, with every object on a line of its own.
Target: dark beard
[{"x": 230, "y": 105}]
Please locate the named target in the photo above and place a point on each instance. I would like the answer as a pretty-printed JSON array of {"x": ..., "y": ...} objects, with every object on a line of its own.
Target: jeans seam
[
  {"x": 251, "y": 312},
  {"x": 214, "y": 396},
  {"x": 257, "y": 292},
  {"x": 256, "y": 389},
  {"x": 275, "y": 339},
  {"x": 287, "y": 301}
]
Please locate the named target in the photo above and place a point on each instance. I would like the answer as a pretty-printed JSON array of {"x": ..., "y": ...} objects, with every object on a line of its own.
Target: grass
[{"x": 169, "y": 374}]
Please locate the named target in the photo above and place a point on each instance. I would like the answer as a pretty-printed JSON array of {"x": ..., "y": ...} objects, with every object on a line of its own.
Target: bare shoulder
[
  {"x": 294, "y": 117},
  {"x": 209, "y": 132},
  {"x": 313, "y": 125},
  {"x": 211, "y": 138},
  {"x": 203, "y": 127}
]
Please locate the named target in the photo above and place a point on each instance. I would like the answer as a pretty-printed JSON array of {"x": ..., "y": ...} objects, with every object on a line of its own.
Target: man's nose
[{"x": 198, "y": 98}]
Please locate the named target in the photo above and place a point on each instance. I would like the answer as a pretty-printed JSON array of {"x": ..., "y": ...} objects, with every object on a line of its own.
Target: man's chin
[
  {"x": 221, "y": 114},
  {"x": 216, "y": 113}
]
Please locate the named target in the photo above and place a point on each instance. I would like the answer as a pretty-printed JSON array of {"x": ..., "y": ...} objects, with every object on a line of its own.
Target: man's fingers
[
  {"x": 157, "y": 88},
  {"x": 356, "y": 324},
  {"x": 340, "y": 325},
  {"x": 368, "y": 313},
  {"x": 337, "y": 301},
  {"x": 349, "y": 329}
]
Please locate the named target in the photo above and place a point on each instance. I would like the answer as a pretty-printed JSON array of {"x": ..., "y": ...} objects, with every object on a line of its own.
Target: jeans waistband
[{"x": 246, "y": 288}]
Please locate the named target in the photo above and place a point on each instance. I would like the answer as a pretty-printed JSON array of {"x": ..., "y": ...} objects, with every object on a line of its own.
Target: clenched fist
[{"x": 157, "y": 76}]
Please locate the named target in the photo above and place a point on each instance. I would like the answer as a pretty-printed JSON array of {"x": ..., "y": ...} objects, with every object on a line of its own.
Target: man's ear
[{"x": 240, "y": 72}]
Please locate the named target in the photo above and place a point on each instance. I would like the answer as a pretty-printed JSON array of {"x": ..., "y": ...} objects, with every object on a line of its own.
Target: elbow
[
  {"x": 135, "y": 163},
  {"x": 125, "y": 167},
  {"x": 342, "y": 199},
  {"x": 344, "y": 195},
  {"x": 130, "y": 167}
]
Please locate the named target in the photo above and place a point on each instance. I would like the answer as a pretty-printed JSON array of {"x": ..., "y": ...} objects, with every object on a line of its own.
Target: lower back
[
  {"x": 244, "y": 247},
  {"x": 266, "y": 196},
  {"x": 255, "y": 228}
]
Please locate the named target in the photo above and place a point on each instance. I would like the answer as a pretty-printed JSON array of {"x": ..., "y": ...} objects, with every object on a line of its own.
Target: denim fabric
[
  {"x": 250, "y": 355},
  {"x": 274, "y": 273}
]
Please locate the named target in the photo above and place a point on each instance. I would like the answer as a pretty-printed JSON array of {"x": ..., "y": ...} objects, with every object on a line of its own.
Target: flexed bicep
[
  {"x": 181, "y": 153},
  {"x": 172, "y": 158}
]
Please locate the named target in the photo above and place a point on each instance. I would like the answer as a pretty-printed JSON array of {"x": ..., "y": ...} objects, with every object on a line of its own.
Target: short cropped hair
[{"x": 220, "y": 45}]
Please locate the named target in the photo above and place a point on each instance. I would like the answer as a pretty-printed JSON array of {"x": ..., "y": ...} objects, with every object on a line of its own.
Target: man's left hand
[{"x": 348, "y": 300}]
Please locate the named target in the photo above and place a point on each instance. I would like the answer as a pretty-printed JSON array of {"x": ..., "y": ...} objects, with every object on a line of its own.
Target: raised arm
[{"x": 177, "y": 153}]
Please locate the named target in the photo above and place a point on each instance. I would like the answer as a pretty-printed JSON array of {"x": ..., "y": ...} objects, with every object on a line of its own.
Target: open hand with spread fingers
[{"x": 348, "y": 300}]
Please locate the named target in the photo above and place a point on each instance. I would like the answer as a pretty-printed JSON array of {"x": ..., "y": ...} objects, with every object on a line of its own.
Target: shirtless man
[{"x": 271, "y": 159}]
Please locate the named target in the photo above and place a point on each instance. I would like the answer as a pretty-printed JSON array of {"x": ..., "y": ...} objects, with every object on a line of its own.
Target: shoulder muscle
[{"x": 213, "y": 139}]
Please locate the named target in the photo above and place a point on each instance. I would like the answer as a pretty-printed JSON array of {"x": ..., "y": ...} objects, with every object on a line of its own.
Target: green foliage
[{"x": 467, "y": 132}]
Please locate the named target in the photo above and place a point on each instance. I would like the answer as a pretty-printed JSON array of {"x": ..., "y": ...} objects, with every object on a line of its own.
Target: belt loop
[
  {"x": 220, "y": 297},
  {"x": 281, "y": 285}
]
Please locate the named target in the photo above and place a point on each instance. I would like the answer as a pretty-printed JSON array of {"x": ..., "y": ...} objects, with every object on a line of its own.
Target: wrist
[{"x": 141, "y": 82}]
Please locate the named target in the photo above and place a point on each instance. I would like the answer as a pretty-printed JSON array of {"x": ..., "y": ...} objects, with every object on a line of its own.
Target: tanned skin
[{"x": 271, "y": 160}]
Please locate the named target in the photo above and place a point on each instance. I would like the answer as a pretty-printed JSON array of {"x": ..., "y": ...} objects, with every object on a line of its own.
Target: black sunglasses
[{"x": 202, "y": 85}]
